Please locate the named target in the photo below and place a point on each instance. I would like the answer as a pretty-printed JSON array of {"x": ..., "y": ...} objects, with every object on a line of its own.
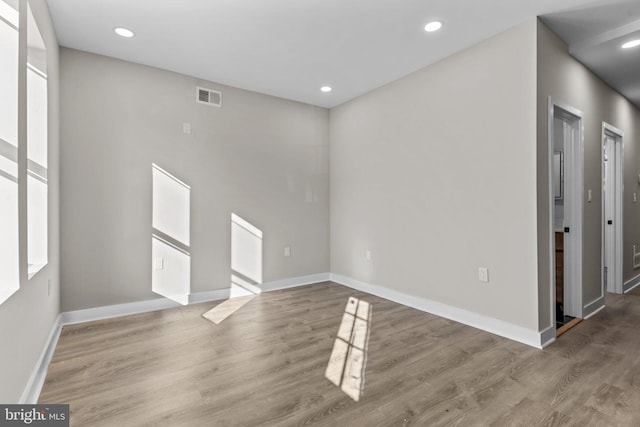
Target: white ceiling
[
  {"x": 595, "y": 34},
  {"x": 290, "y": 48}
]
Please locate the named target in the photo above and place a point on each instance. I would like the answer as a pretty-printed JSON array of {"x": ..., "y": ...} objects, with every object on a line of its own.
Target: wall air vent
[{"x": 209, "y": 97}]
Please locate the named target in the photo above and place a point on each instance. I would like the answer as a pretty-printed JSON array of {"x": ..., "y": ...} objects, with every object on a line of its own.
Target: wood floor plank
[
  {"x": 265, "y": 365},
  {"x": 528, "y": 413},
  {"x": 586, "y": 416}
]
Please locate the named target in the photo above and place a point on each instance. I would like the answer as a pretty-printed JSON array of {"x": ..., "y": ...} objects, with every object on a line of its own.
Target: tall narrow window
[
  {"x": 9, "y": 259},
  {"x": 37, "y": 149}
]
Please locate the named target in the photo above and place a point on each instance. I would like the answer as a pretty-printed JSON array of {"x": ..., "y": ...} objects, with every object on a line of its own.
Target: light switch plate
[
  {"x": 287, "y": 251},
  {"x": 483, "y": 274},
  {"x": 186, "y": 128},
  {"x": 368, "y": 255},
  {"x": 158, "y": 263}
]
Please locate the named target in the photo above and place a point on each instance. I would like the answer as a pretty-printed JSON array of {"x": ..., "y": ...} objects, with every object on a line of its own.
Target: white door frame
[
  {"x": 618, "y": 224},
  {"x": 574, "y": 243}
]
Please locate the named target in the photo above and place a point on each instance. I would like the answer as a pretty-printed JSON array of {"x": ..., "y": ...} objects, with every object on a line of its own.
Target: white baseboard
[
  {"x": 630, "y": 284},
  {"x": 593, "y": 307},
  {"x": 294, "y": 282},
  {"x": 547, "y": 336},
  {"x": 530, "y": 337},
  {"x": 594, "y": 312},
  {"x": 36, "y": 380},
  {"x": 206, "y": 296},
  {"x": 486, "y": 323},
  {"x": 117, "y": 310}
]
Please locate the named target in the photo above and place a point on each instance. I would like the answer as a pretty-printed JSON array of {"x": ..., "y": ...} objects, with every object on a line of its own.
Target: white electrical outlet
[
  {"x": 368, "y": 255},
  {"x": 287, "y": 251},
  {"x": 483, "y": 274}
]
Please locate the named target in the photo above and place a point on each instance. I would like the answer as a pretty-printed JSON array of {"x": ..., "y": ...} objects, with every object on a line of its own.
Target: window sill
[
  {"x": 6, "y": 293},
  {"x": 34, "y": 269}
]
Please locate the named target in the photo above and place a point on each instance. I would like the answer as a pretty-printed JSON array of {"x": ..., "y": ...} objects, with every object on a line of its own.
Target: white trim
[
  {"x": 126, "y": 309},
  {"x": 480, "y": 321},
  {"x": 548, "y": 336},
  {"x": 602, "y": 211},
  {"x": 577, "y": 182},
  {"x": 631, "y": 284},
  {"x": 593, "y": 307},
  {"x": 206, "y": 296},
  {"x": 295, "y": 282},
  {"x": 618, "y": 221},
  {"x": 595, "y": 312},
  {"x": 117, "y": 310},
  {"x": 606, "y": 127},
  {"x": 36, "y": 380},
  {"x": 551, "y": 218}
]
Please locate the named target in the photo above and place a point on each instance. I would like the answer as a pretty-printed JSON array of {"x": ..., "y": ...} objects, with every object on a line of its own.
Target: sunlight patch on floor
[
  {"x": 348, "y": 359},
  {"x": 226, "y": 308}
]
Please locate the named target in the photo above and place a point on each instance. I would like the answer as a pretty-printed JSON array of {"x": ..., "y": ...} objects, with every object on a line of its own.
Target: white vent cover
[{"x": 209, "y": 97}]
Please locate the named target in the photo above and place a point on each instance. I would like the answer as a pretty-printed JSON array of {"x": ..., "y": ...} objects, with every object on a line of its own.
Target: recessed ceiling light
[
  {"x": 433, "y": 26},
  {"x": 632, "y": 43},
  {"x": 326, "y": 88},
  {"x": 123, "y": 32}
]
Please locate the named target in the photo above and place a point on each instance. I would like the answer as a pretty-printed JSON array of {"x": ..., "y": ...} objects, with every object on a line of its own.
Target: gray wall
[
  {"x": 263, "y": 158},
  {"x": 436, "y": 175},
  {"x": 566, "y": 80},
  {"x": 28, "y": 315}
]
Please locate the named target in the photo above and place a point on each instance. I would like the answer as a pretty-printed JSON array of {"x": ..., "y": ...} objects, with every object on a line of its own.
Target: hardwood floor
[{"x": 265, "y": 365}]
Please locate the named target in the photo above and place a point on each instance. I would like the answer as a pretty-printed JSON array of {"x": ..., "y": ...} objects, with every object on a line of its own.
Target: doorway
[
  {"x": 566, "y": 188},
  {"x": 612, "y": 190}
]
